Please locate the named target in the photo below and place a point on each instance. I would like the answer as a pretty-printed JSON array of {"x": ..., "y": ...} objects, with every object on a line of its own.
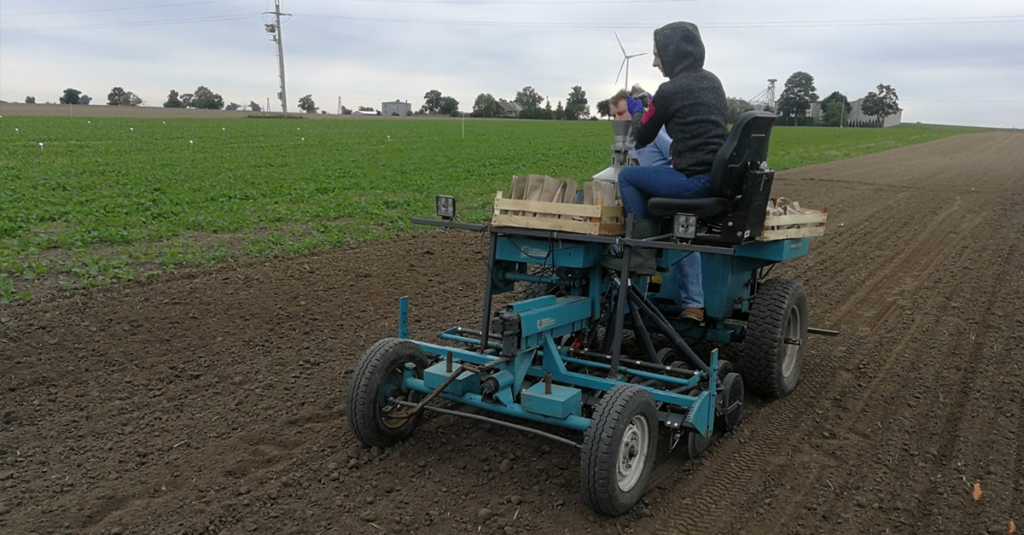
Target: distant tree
[
  {"x": 604, "y": 108},
  {"x": 254, "y": 106},
  {"x": 528, "y": 98},
  {"x": 173, "y": 101},
  {"x": 71, "y": 96},
  {"x": 449, "y": 106},
  {"x": 234, "y": 106},
  {"x": 366, "y": 108},
  {"x": 115, "y": 97},
  {"x": 30, "y": 100},
  {"x": 323, "y": 112},
  {"x": 486, "y": 106},
  {"x": 86, "y": 100},
  {"x": 188, "y": 100},
  {"x": 307, "y": 105},
  {"x": 882, "y": 103},
  {"x": 345, "y": 111},
  {"x": 408, "y": 113},
  {"x": 119, "y": 97},
  {"x": 797, "y": 96},
  {"x": 734, "y": 108},
  {"x": 559, "y": 112},
  {"x": 432, "y": 102},
  {"x": 834, "y": 108},
  {"x": 205, "y": 99},
  {"x": 576, "y": 105}
]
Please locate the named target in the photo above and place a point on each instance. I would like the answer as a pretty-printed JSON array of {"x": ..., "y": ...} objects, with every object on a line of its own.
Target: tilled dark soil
[{"x": 214, "y": 402}]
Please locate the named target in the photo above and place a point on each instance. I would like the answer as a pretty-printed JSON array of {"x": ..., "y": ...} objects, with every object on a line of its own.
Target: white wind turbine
[{"x": 625, "y": 61}]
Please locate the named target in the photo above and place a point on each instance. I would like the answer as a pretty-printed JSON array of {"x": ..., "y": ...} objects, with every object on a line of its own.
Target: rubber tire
[
  {"x": 531, "y": 290},
  {"x": 732, "y": 388},
  {"x": 364, "y": 415},
  {"x": 766, "y": 328},
  {"x": 599, "y": 459}
]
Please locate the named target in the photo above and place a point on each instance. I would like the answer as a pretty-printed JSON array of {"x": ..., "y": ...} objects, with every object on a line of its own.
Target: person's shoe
[{"x": 695, "y": 314}]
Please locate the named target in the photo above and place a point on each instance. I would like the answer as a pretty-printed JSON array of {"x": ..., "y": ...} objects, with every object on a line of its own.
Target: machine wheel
[
  {"x": 696, "y": 444},
  {"x": 731, "y": 392},
  {"x": 619, "y": 449},
  {"x": 776, "y": 338},
  {"x": 530, "y": 290},
  {"x": 667, "y": 354},
  {"x": 377, "y": 379}
]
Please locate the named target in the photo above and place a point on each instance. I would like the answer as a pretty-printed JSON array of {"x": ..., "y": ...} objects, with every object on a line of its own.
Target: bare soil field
[{"x": 214, "y": 401}]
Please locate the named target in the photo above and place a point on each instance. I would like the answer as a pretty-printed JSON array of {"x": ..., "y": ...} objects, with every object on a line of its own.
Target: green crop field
[{"x": 86, "y": 202}]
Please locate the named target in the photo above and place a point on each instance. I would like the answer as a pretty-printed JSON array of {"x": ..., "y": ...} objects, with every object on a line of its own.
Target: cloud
[{"x": 364, "y": 61}]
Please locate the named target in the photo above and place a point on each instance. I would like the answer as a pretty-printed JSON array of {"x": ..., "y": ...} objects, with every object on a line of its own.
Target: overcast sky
[{"x": 963, "y": 65}]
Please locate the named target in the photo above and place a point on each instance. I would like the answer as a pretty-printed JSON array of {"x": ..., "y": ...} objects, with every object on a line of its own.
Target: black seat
[{"x": 744, "y": 150}]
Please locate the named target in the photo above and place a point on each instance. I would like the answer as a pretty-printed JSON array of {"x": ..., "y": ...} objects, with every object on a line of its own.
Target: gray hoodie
[{"x": 690, "y": 105}]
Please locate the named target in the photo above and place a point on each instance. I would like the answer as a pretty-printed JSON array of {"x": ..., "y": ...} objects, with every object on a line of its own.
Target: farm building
[
  {"x": 395, "y": 108},
  {"x": 509, "y": 109},
  {"x": 857, "y": 116}
]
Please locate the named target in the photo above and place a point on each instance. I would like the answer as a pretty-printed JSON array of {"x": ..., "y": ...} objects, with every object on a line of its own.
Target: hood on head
[{"x": 679, "y": 48}]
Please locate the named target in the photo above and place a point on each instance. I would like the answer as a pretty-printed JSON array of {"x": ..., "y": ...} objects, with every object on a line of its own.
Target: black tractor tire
[
  {"x": 613, "y": 478},
  {"x": 531, "y": 290},
  {"x": 731, "y": 392},
  {"x": 378, "y": 377},
  {"x": 779, "y": 315}
]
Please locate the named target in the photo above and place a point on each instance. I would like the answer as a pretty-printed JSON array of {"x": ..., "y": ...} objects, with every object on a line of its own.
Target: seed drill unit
[{"x": 556, "y": 360}]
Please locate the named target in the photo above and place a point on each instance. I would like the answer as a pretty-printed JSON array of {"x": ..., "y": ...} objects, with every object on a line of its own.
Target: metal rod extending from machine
[
  {"x": 822, "y": 332},
  {"x": 495, "y": 421},
  {"x": 641, "y": 302},
  {"x": 637, "y": 363}
]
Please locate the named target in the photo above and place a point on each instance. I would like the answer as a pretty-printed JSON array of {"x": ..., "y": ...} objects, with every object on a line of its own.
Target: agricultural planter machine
[{"x": 555, "y": 359}]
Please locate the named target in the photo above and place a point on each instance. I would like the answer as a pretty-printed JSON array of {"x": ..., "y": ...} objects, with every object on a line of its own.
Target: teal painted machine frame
[{"x": 686, "y": 400}]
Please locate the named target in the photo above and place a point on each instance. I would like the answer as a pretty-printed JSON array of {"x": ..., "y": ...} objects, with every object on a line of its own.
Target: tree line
[
  {"x": 800, "y": 93},
  {"x": 527, "y": 104}
]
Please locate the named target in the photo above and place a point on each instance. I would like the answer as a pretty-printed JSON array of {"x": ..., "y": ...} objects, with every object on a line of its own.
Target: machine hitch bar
[{"x": 482, "y": 418}]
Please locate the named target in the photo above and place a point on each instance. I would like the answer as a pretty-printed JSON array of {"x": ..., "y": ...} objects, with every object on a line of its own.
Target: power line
[
  {"x": 109, "y": 25},
  {"x": 751, "y": 24},
  {"x": 124, "y": 8}
]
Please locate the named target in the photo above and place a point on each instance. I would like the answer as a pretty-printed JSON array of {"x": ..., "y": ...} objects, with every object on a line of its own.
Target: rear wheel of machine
[
  {"x": 776, "y": 338},
  {"x": 731, "y": 393},
  {"x": 531, "y": 290},
  {"x": 377, "y": 379},
  {"x": 619, "y": 449}
]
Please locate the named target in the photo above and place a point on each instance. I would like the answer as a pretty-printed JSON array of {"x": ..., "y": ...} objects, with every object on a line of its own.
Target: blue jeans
[{"x": 637, "y": 184}]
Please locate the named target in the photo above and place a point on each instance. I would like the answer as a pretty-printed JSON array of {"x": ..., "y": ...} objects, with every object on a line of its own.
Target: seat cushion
[{"x": 704, "y": 208}]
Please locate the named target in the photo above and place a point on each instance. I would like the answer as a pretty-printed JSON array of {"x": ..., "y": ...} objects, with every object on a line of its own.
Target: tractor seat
[
  {"x": 704, "y": 208},
  {"x": 744, "y": 150}
]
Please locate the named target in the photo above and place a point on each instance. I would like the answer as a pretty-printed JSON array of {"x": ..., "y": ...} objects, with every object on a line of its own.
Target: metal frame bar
[
  {"x": 494, "y": 421},
  {"x": 558, "y": 235},
  {"x": 555, "y": 364}
]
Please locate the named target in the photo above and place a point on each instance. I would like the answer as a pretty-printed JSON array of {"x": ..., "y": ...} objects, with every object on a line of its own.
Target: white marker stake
[
  {"x": 190, "y": 143},
  {"x": 16, "y": 131},
  {"x": 303, "y": 139},
  {"x": 40, "y": 145}
]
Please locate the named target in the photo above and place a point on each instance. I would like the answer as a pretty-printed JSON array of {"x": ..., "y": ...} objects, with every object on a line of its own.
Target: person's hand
[{"x": 634, "y": 105}]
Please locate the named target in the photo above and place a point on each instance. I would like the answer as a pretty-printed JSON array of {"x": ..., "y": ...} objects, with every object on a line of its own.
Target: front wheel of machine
[
  {"x": 619, "y": 449},
  {"x": 776, "y": 338},
  {"x": 378, "y": 379}
]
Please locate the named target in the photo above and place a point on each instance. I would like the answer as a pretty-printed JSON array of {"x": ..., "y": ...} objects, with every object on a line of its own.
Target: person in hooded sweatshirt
[{"x": 691, "y": 107}]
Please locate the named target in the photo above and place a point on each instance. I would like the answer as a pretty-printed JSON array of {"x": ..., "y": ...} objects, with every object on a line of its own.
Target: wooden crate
[
  {"x": 578, "y": 218},
  {"x": 803, "y": 226}
]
